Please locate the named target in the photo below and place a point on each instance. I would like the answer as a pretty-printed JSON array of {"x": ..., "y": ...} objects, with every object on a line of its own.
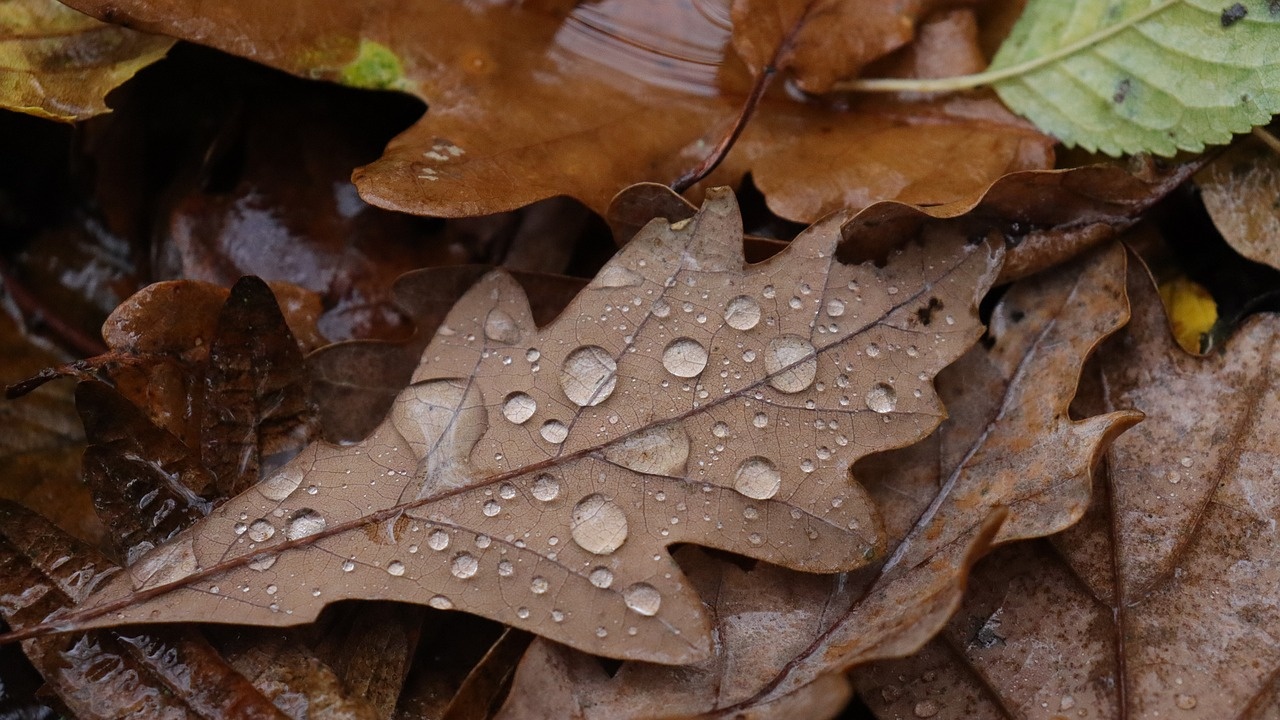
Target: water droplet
[
  {"x": 1185, "y": 702},
  {"x": 661, "y": 308},
  {"x": 684, "y": 357},
  {"x": 720, "y": 430},
  {"x": 835, "y": 308},
  {"x": 491, "y": 508},
  {"x": 882, "y": 398},
  {"x": 303, "y": 523},
  {"x": 643, "y": 598},
  {"x": 742, "y": 313},
  {"x": 499, "y": 327},
  {"x": 438, "y": 540},
  {"x": 659, "y": 450},
  {"x": 925, "y": 709},
  {"x": 785, "y": 362},
  {"x": 506, "y": 569},
  {"x": 348, "y": 566},
  {"x": 464, "y": 565},
  {"x": 616, "y": 276},
  {"x": 261, "y": 530},
  {"x": 506, "y": 491},
  {"x": 532, "y": 355},
  {"x": 750, "y": 513},
  {"x": 554, "y": 431},
  {"x": 601, "y": 632},
  {"x": 281, "y": 485},
  {"x": 539, "y": 585},
  {"x": 601, "y": 577},
  {"x": 483, "y": 541},
  {"x": 873, "y": 350},
  {"x": 272, "y": 589},
  {"x": 395, "y": 568},
  {"x": 598, "y": 525},
  {"x": 795, "y": 303},
  {"x": 758, "y": 478},
  {"x": 760, "y": 420},
  {"x": 519, "y": 407},
  {"x": 522, "y": 613},
  {"x": 806, "y": 465},
  {"x": 557, "y": 615},
  {"x": 1186, "y": 462},
  {"x": 588, "y": 376},
  {"x": 440, "y": 602},
  {"x": 1066, "y": 703},
  {"x": 262, "y": 562},
  {"x": 239, "y": 528},
  {"x": 546, "y": 488}
]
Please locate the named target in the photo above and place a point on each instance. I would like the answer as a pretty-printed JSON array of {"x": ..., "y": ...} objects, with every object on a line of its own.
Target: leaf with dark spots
[{"x": 483, "y": 490}]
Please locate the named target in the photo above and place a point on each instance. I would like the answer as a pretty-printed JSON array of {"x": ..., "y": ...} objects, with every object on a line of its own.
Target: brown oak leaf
[{"x": 536, "y": 476}]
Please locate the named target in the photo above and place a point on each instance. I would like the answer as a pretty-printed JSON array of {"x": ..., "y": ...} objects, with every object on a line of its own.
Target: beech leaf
[
  {"x": 536, "y": 476},
  {"x": 60, "y": 64}
]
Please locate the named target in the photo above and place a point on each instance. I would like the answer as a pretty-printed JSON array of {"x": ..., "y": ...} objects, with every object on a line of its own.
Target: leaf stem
[{"x": 989, "y": 77}]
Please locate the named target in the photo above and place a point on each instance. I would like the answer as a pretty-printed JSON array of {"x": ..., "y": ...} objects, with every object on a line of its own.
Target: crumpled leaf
[
  {"x": 1241, "y": 191},
  {"x": 1162, "y": 601},
  {"x": 527, "y": 104},
  {"x": 535, "y": 477},
  {"x": 1143, "y": 76},
  {"x": 60, "y": 64}
]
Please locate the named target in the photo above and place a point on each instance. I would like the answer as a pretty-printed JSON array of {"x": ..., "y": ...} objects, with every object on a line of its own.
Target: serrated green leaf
[{"x": 1127, "y": 76}]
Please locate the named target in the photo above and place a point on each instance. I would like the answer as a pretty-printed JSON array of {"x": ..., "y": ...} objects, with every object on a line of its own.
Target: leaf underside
[
  {"x": 537, "y": 477},
  {"x": 1168, "y": 75}
]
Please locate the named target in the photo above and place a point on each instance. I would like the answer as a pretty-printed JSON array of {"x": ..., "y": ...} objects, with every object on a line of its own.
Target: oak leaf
[
  {"x": 1161, "y": 603},
  {"x": 537, "y": 476},
  {"x": 1241, "y": 191},
  {"x": 528, "y": 103},
  {"x": 1008, "y": 464}
]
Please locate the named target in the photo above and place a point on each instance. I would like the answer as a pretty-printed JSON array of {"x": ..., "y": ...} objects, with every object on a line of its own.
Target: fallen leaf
[
  {"x": 1241, "y": 191},
  {"x": 483, "y": 489},
  {"x": 60, "y": 64},
  {"x": 662, "y": 93},
  {"x": 1162, "y": 601},
  {"x": 1192, "y": 312}
]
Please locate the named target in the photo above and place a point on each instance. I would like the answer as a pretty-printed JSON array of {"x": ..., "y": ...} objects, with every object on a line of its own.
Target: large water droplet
[
  {"x": 758, "y": 478},
  {"x": 263, "y": 562},
  {"x": 440, "y": 602},
  {"x": 499, "y": 327},
  {"x": 546, "y": 487},
  {"x": 438, "y": 540},
  {"x": 785, "y": 362},
  {"x": 261, "y": 530},
  {"x": 742, "y": 313},
  {"x": 589, "y": 375},
  {"x": 643, "y": 598},
  {"x": 598, "y": 525},
  {"x": 282, "y": 484},
  {"x": 661, "y": 450},
  {"x": 395, "y": 568},
  {"x": 554, "y": 431},
  {"x": 835, "y": 307},
  {"x": 882, "y": 398},
  {"x": 491, "y": 508},
  {"x": 519, "y": 407},
  {"x": 539, "y": 585},
  {"x": 684, "y": 357},
  {"x": 464, "y": 565},
  {"x": 601, "y": 577},
  {"x": 303, "y": 523},
  {"x": 616, "y": 276}
]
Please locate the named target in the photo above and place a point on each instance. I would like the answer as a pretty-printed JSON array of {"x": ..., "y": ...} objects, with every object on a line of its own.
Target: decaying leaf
[
  {"x": 528, "y": 103},
  {"x": 1241, "y": 190},
  {"x": 1161, "y": 603},
  {"x": 60, "y": 64},
  {"x": 536, "y": 477}
]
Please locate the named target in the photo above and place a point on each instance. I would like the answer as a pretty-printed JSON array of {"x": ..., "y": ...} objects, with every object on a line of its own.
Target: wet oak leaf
[
  {"x": 527, "y": 104},
  {"x": 1241, "y": 191},
  {"x": 1161, "y": 602},
  {"x": 536, "y": 476},
  {"x": 59, "y": 64}
]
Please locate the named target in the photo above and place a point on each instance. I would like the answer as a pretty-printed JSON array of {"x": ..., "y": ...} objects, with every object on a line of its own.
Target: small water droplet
[
  {"x": 684, "y": 357},
  {"x": 616, "y": 276},
  {"x": 661, "y": 308},
  {"x": 925, "y": 709},
  {"x": 760, "y": 420},
  {"x": 806, "y": 465},
  {"x": 506, "y": 491},
  {"x": 519, "y": 407},
  {"x": 873, "y": 350},
  {"x": 1066, "y": 703},
  {"x": 546, "y": 488},
  {"x": 506, "y": 569},
  {"x": 491, "y": 508},
  {"x": 303, "y": 523},
  {"x": 755, "y": 539},
  {"x": 601, "y": 577},
  {"x": 522, "y": 613},
  {"x": 1186, "y": 462},
  {"x": 312, "y": 489},
  {"x": 720, "y": 430},
  {"x": 240, "y": 528},
  {"x": 795, "y": 303},
  {"x": 785, "y": 362},
  {"x": 750, "y": 513},
  {"x": 557, "y": 616},
  {"x": 835, "y": 308},
  {"x": 598, "y": 525},
  {"x": 440, "y": 602},
  {"x": 742, "y": 313},
  {"x": 539, "y": 585},
  {"x": 464, "y": 566},
  {"x": 262, "y": 562},
  {"x": 588, "y": 376},
  {"x": 348, "y": 566},
  {"x": 532, "y": 355},
  {"x": 395, "y": 568},
  {"x": 261, "y": 530},
  {"x": 554, "y": 431},
  {"x": 1185, "y": 702},
  {"x": 438, "y": 540},
  {"x": 484, "y": 541},
  {"x": 757, "y": 478},
  {"x": 882, "y": 398},
  {"x": 643, "y": 598}
]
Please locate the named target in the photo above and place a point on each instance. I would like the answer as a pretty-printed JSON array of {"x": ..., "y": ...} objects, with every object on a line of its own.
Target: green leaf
[{"x": 1126, "y": 76}]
